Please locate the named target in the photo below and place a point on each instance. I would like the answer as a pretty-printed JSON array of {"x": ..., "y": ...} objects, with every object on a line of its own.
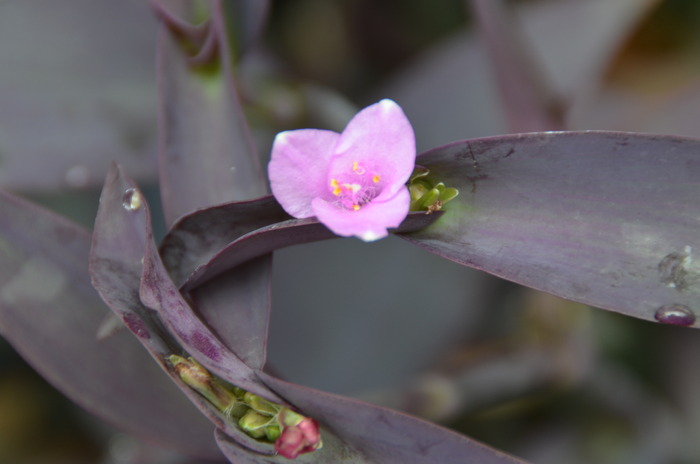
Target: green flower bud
[
  {"x": 216, "y": 391},
  {"x": 261, "y": 405},
  {"x": 273, "y": 432},
  {"x": 254, "y": 423}
]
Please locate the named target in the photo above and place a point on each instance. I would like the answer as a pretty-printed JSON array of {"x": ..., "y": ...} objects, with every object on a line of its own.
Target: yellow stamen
[
  {"x": 357, "y": 168},
  {"x": 337, "y": 190},
  {"x": 355, "y": 207},
  {"x": 375, "y": 179}
]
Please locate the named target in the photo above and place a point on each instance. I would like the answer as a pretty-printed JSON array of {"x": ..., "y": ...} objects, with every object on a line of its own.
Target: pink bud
[{"x": 299, "y": 439}]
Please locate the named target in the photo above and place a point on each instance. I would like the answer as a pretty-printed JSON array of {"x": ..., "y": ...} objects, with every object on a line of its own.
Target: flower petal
[
  {"x": 370, "y": 222},
  {"x": 381, "y": 137},
  {"x": 298, "y": 168}
]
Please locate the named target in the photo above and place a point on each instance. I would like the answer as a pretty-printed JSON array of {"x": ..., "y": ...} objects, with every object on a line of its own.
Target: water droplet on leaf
[
  {"x": 131, "y": 200},
  {"x": 675, "y": 314}
]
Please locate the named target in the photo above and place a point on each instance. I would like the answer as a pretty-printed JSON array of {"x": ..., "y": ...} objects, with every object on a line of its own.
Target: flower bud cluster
[
  {"x": 426, "y": 194},
  {"x": 292, "y": 433}
]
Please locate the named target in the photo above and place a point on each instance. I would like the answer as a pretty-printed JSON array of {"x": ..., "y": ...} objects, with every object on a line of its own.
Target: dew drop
[
  {"x": 675, "y": 314},
  {"x": 131, "y": 200}
]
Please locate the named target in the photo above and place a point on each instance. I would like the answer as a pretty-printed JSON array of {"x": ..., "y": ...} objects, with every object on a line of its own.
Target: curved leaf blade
[
  {"x": 607, "y": 219},
  {"x": 236, "y": 304},
  {"x": 283, "y": 234}
]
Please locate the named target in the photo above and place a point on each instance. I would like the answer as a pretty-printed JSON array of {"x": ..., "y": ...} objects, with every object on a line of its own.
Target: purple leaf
[
  {"x": 236, "y": 305},
  {"x": 123, "y": 250},
  {"x": 529, "y": 102},
  {"x": 607, "y": 219},
  {"x": 51, "y": 314},
  {"x": 280, "y": 235},
  {"x": 380, "y": 435},
  {"x": 207, "y": 155},
  {"x": 200, "y": 113},
  {"x": 195, "y": 238}
]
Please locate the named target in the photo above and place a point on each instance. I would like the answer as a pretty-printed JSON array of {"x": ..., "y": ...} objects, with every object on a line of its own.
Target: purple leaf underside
[
  {"x": 607, "y": 219},
  {"x": 50, "y": 313}
]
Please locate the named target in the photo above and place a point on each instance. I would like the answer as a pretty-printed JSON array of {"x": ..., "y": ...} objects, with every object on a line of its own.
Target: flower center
[{"x": 356, "y": 187}]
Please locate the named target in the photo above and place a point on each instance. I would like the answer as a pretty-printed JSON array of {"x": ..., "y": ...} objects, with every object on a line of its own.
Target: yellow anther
[
  {"x": 376, "y": 178},
  {"x": 355, "y": 207},
  {"x": 337, "y": 189},
  {"x": 357, "y": 168}
]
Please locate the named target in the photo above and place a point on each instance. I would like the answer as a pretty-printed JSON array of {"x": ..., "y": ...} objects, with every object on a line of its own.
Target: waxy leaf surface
[{"x": 607, "y": 219}]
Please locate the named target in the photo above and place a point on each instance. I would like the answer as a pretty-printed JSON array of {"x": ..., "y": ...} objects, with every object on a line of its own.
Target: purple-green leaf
[
  {"x": 50, "y": 313},
  {"x": 607, "y": 219},
  {"x": 207, "y": 155}
]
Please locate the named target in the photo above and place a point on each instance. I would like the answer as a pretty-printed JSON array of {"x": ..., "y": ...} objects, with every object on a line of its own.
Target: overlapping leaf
[{"x": 207, "y": 157}]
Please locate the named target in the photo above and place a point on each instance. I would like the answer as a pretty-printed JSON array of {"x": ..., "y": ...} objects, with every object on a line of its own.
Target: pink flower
[
  {"x": 353, "y": 182},
  {"x": 301, "y": 438}
]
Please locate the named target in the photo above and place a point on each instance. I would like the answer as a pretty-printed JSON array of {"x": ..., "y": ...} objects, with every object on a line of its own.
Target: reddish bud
[{"x": 301, "y": 438}]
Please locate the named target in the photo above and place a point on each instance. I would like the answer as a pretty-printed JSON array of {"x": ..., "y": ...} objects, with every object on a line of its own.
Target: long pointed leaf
[
  {"x": 607, "y": 219},
  {"x": 207, "y": 155}
]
